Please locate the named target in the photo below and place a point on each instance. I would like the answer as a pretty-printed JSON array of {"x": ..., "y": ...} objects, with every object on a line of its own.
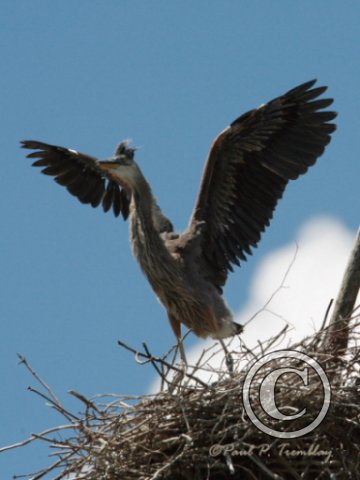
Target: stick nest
[{"x": 199, "y": 430}]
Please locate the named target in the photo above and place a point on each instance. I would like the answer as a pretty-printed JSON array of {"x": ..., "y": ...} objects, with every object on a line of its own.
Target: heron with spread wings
[{"x": 248, "y": 168}]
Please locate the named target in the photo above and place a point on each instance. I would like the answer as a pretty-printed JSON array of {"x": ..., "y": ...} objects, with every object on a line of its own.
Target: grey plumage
[{"x": 249, "y": 166}]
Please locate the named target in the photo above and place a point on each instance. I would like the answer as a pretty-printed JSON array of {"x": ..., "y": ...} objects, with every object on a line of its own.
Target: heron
[{"x": 246, "y": 172}]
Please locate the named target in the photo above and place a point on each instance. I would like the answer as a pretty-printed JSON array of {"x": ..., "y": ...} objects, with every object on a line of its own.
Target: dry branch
[{"x": 338, "y": 331}]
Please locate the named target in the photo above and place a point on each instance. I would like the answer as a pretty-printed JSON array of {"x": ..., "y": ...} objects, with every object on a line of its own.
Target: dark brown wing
[
  {"x": 248, "y": 168},
  {"x": 81, "y": 174}
]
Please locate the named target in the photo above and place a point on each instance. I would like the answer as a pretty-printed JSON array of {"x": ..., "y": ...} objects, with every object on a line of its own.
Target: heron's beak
[
  {"x": 109, "y": 165},
  {"x": 114, "y": 169},
  {"x": 119, "y": 173}
]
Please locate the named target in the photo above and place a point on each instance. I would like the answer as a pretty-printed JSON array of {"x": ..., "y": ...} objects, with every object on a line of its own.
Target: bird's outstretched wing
[
  {"x": 81, "y": 174},
  {"x": 248, "y": 168}
]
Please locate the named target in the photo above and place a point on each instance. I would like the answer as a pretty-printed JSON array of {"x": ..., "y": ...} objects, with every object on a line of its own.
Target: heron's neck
[
  {"x": 142, "y": 204},
  {"x": 148, "y": 246}
]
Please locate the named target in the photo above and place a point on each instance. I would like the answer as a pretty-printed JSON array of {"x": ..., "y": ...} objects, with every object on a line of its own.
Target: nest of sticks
[
  {"x": 200, "y": 430},
  {"x": 197, "y": 430}
]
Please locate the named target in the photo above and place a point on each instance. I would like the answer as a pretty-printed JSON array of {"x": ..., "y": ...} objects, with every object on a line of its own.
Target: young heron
[{"x": 248, "y": 168}]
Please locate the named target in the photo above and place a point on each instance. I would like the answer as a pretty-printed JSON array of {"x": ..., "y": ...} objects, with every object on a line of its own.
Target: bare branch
[{"x": 338, "y": 331}]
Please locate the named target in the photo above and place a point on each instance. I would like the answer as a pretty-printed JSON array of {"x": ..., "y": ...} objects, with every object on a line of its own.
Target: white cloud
[{"x": 322, "y": 247}]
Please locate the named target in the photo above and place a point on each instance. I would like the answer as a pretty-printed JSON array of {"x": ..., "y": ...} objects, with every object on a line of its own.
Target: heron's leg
[
  {"x": 228, "y": 358},
  {"x": 181, "y": 370},
  {"x": 176, "y": 326},
  {"x": 182, "y": 352}
]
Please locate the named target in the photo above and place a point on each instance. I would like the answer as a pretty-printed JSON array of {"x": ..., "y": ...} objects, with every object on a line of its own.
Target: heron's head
[
  {"x": 122, "y": 165},
  {"x": 123, "y": 150}
]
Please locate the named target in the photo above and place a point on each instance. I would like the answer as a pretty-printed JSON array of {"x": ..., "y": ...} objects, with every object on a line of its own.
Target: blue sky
[{"x": 170, "y": 76}]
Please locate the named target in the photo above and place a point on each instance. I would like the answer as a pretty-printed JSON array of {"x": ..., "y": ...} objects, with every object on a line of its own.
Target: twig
[
  {"x": 265, "y": 469},
  {"x": 57, "y": 406},
  {"x": 279, "y": 288},
  {"x": 35, "y": 437},
  {"x": 165, "y": 467},
  {"x": 151, "y": 359},
  {"x": 85, "y": 400},
  {"x": 23, "y": 361}
]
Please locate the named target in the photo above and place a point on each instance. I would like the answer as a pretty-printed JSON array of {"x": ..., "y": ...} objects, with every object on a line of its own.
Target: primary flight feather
[{"x": 248, "y": 168}]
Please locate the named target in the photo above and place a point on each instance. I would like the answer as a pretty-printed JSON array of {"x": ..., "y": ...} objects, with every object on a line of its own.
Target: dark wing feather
[
  {"x": 81, "y": 174},
  {"x": 248, "y": 168}
]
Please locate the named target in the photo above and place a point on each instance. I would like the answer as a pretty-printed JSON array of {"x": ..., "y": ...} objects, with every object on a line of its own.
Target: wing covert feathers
[{"x": 248, "y": 168}]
